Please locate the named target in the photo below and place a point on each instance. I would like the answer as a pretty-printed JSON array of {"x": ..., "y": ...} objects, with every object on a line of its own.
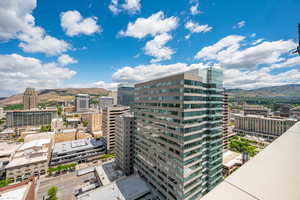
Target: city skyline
[{"x": 102, "y": 44}]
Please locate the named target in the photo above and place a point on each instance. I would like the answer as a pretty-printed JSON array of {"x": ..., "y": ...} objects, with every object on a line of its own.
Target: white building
[{"x": 30, "y": 159}]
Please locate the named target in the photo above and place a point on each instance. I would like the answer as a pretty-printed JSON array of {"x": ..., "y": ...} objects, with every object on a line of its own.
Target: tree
[
  {"x": 85, "y": 123},
  {"x": 20, "y": 140},
  {"x": 52, "y": 192},
  {"x": 59, "y": 110},
  {"x": 4, "y": 183},
  {"x": 45, "y": 128}
]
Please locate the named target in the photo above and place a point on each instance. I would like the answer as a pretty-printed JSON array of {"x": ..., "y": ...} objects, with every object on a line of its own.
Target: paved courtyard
[{"x": 66, "y": 185}]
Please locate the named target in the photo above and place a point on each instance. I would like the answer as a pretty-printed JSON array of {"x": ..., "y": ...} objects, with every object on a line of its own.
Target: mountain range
[{"x": 291, "y": 91}]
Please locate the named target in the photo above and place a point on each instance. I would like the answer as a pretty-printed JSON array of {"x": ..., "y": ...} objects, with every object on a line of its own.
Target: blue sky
[{"x": 92, "y": 43}]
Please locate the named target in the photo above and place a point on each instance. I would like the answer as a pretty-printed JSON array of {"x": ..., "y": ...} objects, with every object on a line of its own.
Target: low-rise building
[
  {"x": 30, "y": 118},
  {"x": 263, "y": 127},
  {"x": 256, "y": 110},
  {"x": 2, "y": 114},
  {"x": 57, "y": 125},
  {"x": 6, "y": 152},
  {"x": 231, "y": 161},
  {"x": 127, "y": 188},
  {"x": 84, "y": 150},
  {"x": 30, "y": 159},
  {"x": 20, "y": 191},
  {"x": 8, "y": 134}
]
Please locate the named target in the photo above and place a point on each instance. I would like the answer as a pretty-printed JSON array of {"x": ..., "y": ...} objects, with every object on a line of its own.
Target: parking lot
[{"x": 66, "y": 185}]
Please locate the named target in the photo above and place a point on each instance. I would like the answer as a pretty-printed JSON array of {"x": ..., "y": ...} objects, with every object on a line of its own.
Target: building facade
[
  {"x": 106, "y": 102},
  {"x": 31, "y": 159},
  {"x": 125, "y": 94},
  {"x": 82, "y": 102},
  {"x": 109, "y": 124},
  {"x": 30, "y": 99},
  {"x": 262, "y": 127},
  {"x": 226, "y": 122},
  {"x": 124, "y": 142},
  {"x": 29, "y": 118},
  {"x": 178, "y": 139}
]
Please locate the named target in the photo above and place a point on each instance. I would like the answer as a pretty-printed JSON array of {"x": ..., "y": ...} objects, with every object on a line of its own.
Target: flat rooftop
[
  {"x": 273, "y": 174},
  {"x": 129, "y": 188},
  {"x": 230, "y": 158},
  {"x": 7, "y": 149},
  {"x": 76, "y": 145},
  {"x": 14, "y": 194}
]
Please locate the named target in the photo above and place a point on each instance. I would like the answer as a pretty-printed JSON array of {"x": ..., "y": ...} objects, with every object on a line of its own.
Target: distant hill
[
  {"x": 56, "y": 95},
  {"x": 284, "y": 91}
]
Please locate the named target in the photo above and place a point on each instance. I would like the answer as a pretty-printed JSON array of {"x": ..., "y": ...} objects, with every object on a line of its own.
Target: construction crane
[{"x": 297, "y": 51}]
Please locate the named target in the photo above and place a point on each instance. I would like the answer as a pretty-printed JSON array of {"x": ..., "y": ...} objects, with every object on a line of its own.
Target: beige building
[
  {"x": 266, "y": 128},
  {"x": 256, "y": 110},
  {"x": 109, "y": 124},
  {"x": 31, "y": 159},
  {"x": 94, "y": 121},
  {"x": 30, "y": 99},
  {"x": 70, "y": 135}
]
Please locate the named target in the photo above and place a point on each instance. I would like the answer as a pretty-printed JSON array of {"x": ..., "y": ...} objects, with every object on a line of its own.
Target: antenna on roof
[{"x": 297, "y": 51}]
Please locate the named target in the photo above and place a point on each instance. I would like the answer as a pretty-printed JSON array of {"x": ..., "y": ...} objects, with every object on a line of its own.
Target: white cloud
[
  {"x": 74, "y": 24},
  {"x": 113, "y": 7},
  {"x": 195, "y": 10},
  {"x": 240, "y": 24},
  {"x": 228, "y": 53},
  {"x": 131, "y": 6},
  {"x": 290, "y": 62},
  {"x": 66, "y": 60},
  {"x": 231, "y": 42},
  {"x": 157, "y": 49},
  {"x": 18, "y": 72},
  {"x": 17, "y": 22},
  {"x": 257, "y": 41},
  {"x": 153, "y": 25},
  {"x": 253, "y": 35},
  {"x": 194, "y": 27},
  {"x": 142, "y": 73},
  {"x": 98, "y": 84},
  {"x": 35, "y": 40}
]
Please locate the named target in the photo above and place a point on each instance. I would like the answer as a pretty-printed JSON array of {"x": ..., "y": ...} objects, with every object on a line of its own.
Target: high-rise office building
[
  {"x": 82, "y": 102},
  {"x": 126, "y": 94},
  {"x": 124, "y": 142},
  {"x": 225, "y": 121},
  {"x": 109, "y": 124},
  {"x": 30, "y": 99},
  {"x": 178, "y": 137}
]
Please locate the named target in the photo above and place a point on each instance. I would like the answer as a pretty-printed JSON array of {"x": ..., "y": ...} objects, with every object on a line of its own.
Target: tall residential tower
[
  {"x": 30, "y": 99},
  {"x": 178, "y": 139}
]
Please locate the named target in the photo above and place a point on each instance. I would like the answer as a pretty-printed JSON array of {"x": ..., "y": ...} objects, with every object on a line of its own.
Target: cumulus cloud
[
  {"x": 240, "y": 24},
  {"x": 65, "y": 59},
  {"x": 17, "y": 22},
  {"x": 153, "y": 25},
  {"x": 227, "y": 51},
  {"x": 194, "y": 27},
  {"x": 152, "y": 71},
  {"x": 131, "y": 6},
  {"x": 195, "y": 10},
  {"x": 114, "y": 7},
  {"x": 158, "y": 27},
  {"x": 157, "y": 49},
  {"x": 18, "y": 72},
  {"x": 74, "y": 24}
]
